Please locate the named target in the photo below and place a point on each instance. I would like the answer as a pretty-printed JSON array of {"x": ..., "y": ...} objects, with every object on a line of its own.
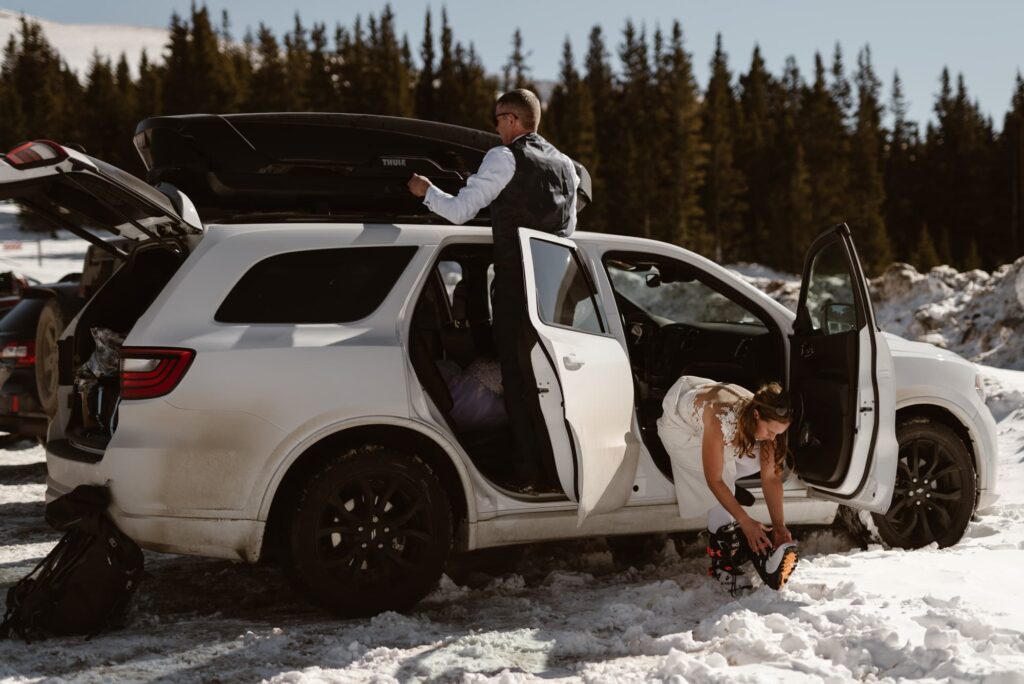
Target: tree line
[{"x": 749, "y": 169}]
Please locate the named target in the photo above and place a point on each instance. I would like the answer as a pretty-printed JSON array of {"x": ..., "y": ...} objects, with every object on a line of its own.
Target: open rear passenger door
[
  {"x": 841, "y": 376},
  {"x": 584, "y": 380}
]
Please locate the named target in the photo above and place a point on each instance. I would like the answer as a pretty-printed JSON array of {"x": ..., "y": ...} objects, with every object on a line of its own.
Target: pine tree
[
  {"x": 147, "y": 90},
  {"x": 1012, "y": 144},
  {"x": 601, "y": 92},
  {"x": 208, "y": 87},
  {"x": 960, "y": 154},
  {"x": 792, "y": 209},
  {"x": 176, "y": 72},
  {"x": 269, "y": 91},
  {"x": 724, "y": 185},
  {"x": 901, "y": 188},
  {"x": 679, "y": 162},
  {"x": 320, "y": 96},
  {"x": 633, "y": 175},
  {"x": 125, "y": 155},
  {"x": 102, "y": 109},
  {"x": 867, "y": 192},
  {"x": 425, "y": 87},
  {"x": 47, "y": 90},
  {"x": 757, "y": 156},
  {"x": 824, "y": 138},
  {"x": 387, "y": 69},
  {"x": 297, "y": 68},
  {"x": 516, "y": 73},
  {"x": 448, "y": 94},
  {"x": 924, "y": 256},
  {"x": 12, "y": 117},
  {"x": 475, "y": 108}
]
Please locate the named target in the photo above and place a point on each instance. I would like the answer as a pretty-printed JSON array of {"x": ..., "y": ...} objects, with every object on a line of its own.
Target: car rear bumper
[{"x": 209, "y": 537}]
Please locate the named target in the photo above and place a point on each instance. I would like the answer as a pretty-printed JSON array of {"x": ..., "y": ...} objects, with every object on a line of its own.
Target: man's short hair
[{"x": 525, "y": 105}]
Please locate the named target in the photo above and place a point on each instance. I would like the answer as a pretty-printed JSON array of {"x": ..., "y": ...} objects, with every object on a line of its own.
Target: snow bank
[{"x": 976, "y": 314}]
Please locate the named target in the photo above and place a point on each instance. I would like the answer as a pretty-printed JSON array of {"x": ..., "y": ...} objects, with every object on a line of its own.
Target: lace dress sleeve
[{"x": 727, "y": 417}]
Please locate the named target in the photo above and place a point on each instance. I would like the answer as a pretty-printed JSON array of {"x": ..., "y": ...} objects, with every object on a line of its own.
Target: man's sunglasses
[{"x": 498, "y": 116}]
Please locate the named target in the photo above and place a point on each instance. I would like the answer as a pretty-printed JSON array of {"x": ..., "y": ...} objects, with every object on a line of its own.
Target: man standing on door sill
[{"x": 527, "y": 183}]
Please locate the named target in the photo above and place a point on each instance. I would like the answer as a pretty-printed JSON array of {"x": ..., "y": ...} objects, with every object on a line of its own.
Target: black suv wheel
[
  {"x": 371, "y": 531},
  {"x": 936, "y": 488}
]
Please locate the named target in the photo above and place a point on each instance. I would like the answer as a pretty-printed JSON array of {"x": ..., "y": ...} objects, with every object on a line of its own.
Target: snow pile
[
  {"x": 75, "y": 43},
  {"x": 976, "y": 314}
]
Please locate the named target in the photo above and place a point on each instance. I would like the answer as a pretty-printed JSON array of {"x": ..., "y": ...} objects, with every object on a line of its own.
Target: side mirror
[
  {"x": 652, "y": 280},
  {"x": 838, "y": 318}
]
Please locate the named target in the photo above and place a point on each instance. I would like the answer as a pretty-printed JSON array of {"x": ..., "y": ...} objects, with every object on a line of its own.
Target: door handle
[
  {"x": 571, "y": 362},
  {"x": 806, "y": 350}
]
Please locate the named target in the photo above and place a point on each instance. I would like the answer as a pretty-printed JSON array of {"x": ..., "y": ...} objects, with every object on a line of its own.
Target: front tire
[
  {"x": 371, "y": 531},
  {"x": 936, "y": 488}
]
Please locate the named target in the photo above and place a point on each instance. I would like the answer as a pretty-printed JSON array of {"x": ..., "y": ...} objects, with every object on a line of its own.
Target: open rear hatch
[
  {"x": 87, "y": 197},
  {"x": 307, "y": 165}
]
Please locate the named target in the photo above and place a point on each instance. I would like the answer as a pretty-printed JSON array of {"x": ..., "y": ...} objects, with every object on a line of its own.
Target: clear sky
[{"x": 982, "y": 39}]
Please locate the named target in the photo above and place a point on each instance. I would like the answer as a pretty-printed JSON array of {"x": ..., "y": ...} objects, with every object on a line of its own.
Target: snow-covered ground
[
  {"x": 566, "y": 612},
  {"x": 76, "y": 43}
]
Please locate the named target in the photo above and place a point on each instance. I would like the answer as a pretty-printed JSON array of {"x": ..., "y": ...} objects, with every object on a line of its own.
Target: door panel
[
  {"x": 844, "y": 442},
  {"x": 592, "y": 372}
]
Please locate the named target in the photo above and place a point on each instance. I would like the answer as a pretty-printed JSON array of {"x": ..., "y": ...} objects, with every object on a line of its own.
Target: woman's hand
[
  {"x": 757, "y": 535},
  {"x": 780, "y": 535}
]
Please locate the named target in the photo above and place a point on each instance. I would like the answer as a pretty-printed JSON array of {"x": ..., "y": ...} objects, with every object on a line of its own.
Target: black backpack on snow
[{"x": 85, "y": 583}]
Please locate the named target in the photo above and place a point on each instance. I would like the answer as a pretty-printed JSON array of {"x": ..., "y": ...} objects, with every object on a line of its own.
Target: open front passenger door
[
  {"x": 585, "y": 384},
  {"x": 841, "y": 376}
]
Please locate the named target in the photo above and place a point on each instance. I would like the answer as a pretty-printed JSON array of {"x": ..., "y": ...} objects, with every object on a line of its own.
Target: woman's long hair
[{"x": 772, "y": 403}]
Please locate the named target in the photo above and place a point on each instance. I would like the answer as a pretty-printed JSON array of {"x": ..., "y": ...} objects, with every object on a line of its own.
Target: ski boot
[
  {"x": 777, "y": 565},
  {"x": 728, "y": 551}
]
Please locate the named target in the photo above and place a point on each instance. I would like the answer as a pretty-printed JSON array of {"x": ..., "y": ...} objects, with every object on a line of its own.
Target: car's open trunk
[{"x": 116, "y": 307}]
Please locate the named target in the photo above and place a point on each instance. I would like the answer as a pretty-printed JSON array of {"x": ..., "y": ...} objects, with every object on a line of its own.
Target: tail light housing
[
  {"x": 150, "y": 372},
  {"x": 22, "y": 351},
  {"x": 35, "y": 153}
]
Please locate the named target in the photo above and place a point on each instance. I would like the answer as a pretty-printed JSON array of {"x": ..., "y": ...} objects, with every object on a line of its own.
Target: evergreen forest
[{"x": 749, "y": 169}]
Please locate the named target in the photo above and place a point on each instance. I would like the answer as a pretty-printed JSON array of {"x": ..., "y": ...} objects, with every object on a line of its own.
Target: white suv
[{"x": 280, "y": 382}]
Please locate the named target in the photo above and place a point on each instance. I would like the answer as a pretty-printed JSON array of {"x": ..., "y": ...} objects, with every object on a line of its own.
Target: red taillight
[
  {"x": 22, "y": 351},
  {"x": 35, "y": 153},
  {"x": 147, "y": 373}
]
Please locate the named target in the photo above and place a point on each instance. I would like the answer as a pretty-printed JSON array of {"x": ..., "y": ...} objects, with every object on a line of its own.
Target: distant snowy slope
[{"x": 77, "y": 42}]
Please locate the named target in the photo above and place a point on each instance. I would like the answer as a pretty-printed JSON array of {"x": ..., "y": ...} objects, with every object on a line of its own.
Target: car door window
[
  {"x": 565, "y": 296},
  {"x": 830, "y": 302},
  {"x": 673, "y": 298}
]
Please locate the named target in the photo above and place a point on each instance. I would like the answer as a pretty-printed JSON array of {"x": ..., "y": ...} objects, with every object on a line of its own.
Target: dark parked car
[
  {"x": 11, "y": 285},
  {"x": 28, "y": 355}
]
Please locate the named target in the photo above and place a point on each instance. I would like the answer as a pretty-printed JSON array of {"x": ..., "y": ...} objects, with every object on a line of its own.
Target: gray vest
[{"x": 539, "y": 196}]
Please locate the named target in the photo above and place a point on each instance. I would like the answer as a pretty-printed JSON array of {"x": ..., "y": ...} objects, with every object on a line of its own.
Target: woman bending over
[{"x": 716, "y": 433}]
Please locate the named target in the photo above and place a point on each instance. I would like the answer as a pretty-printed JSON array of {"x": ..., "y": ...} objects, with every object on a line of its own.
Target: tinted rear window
[
  {"x": 23, "y": 317},
  {"x": 316, "y": 286}
]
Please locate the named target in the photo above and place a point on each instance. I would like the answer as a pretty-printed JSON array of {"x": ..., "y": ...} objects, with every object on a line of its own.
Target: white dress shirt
[{"x": 484, "y": 186}]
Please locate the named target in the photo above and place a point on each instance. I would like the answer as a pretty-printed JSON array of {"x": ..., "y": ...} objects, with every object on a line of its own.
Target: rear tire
[
  {"x": 48, "y": 331},
  {"x": 936, "y": 488},
  {"x": 371, "y": 531}
]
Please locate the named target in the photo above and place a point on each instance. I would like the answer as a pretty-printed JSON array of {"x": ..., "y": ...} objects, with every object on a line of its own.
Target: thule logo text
[{"x": 392, "y": 162}]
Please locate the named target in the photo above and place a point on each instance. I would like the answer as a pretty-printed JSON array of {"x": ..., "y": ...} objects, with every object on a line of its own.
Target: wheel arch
[
  {"x": 429, "y": 446},
  {"x": 941, "y": 414}
]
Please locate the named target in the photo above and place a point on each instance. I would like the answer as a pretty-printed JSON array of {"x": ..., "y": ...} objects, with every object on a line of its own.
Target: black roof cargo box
[{"x": 310, "y": 164}]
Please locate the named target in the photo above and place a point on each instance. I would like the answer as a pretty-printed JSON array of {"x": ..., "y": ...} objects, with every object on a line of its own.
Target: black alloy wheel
[
  {"x": 371, "y": 532},
  {"x": 936, "y": 488}
]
